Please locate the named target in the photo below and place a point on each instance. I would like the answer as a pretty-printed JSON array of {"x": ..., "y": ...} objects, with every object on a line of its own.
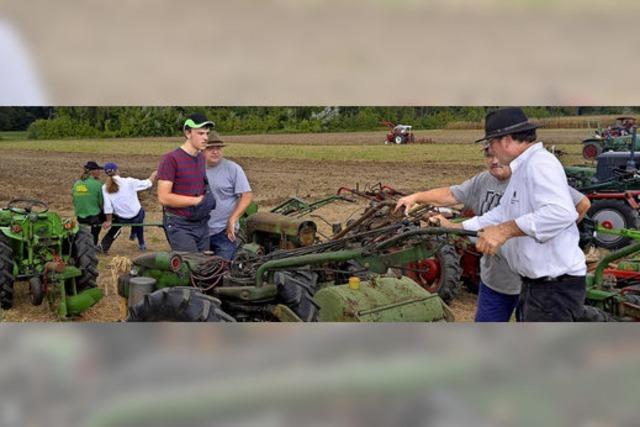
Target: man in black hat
[
  {"x": 183, "y": 189},
  {"x": 499, "y": 287},
  {"x": 87, "y": 199},
  {"x": 534, "y": 226}
]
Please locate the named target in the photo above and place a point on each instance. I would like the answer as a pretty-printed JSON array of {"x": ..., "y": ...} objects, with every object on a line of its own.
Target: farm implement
[
  {"x": 613, "y": 187},
  {"x": 283, "y": 272},
  {"x": 398, "y": 134},
  {"x": 613, "y": 289},
  {"x": 443, "y": 273},
  {"x": 616, "y": 137},
  {"x": 55, "y": 256},
  {"x": 341, "y": 280}
]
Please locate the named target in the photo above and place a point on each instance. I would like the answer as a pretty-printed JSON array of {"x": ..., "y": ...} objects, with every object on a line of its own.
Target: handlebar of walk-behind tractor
[
  {"x": 623, "y": 232},
  {"x": 367, "y": 253}
]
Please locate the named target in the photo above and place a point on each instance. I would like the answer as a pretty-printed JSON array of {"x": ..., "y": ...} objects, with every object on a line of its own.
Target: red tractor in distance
[{"x": 398, "y": 134}]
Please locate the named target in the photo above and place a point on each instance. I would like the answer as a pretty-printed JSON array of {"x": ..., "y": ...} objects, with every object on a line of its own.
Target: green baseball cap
[{"x": 196, "y": 121}]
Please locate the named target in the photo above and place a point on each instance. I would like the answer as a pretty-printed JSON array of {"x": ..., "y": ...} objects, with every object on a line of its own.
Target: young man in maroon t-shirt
[{"x": 183, "y": 190}]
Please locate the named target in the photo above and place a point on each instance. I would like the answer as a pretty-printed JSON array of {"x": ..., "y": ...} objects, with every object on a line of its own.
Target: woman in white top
[{"x": 121, "y": 205}]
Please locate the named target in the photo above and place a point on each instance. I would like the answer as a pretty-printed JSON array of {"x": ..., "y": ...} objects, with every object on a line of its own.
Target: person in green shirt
[{"x": 87, "y": 199}]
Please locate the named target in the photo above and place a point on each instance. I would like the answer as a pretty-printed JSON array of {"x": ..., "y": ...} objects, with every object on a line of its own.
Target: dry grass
[{"x": 568, "y": 122}]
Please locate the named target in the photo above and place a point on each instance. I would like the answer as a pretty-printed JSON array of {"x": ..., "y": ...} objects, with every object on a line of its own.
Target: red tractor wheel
[
  {"x": 591, "y": 150},
  {"x": 440, "y": 274}
]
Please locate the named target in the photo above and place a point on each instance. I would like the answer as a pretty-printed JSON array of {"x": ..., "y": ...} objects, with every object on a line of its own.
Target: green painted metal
[
  {"x": 624, "y": 232},
  {"x": 311, "y": 259},
  {"x": 381, "y": 263},
  {"x": 285, "y": 314},
  {"x": 166, "y": 278},
  {"x": 383, "y": 299},
  {"x": 629, "y": 265},
  {"x": 69, "y": 272},
  {"x": 598, "y": 274},
  {"x": 252, "y": 248},
  {"x": 39, "y": 238},
  {"x": 277, "y": 224},
  {"x": 368, "y": 256},
  {"x": 300, "y": 207},
  {"x": 579, "y": 176},
  {"x": 247, "y": 293},
  {"x": 76, "y": 304}
]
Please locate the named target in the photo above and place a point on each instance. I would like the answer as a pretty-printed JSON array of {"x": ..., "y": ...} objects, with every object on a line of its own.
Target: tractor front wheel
[
  {"x": 84, "y": 252},
  {"x": 6, "y": 273},
  {"x": 37, "y": 290},
  {"x": 591, "y": 150},
  {"x": 440, "y": 274},
  {"x": 178, "y": 304},
  {"x": 613, "y": 214},
  {"x": 398, "y": 139}
]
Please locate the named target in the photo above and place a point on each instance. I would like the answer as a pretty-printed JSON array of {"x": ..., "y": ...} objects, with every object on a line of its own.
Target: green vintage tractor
[
  {"x": 616, "y": 137},
  {"x": 56, "y": 257}
]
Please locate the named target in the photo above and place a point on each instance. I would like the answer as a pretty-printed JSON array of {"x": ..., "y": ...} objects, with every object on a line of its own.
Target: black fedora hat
[{"x": 505, "y": 121}]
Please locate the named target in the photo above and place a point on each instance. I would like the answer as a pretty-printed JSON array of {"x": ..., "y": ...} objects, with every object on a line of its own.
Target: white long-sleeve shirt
[
  {"x": 124, "y": 202},
  {"x": 538, "y": 199}
]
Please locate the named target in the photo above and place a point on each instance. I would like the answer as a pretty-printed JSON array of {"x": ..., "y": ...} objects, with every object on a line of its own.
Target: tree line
[{"x": 116, "y": 122}]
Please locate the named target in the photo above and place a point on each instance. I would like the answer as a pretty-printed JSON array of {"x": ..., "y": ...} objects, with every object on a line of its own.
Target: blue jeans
[
  {"x": 222, "y": 246},
  {"x": 494, "y": 306},
  {"x": 184, "y": 235}
]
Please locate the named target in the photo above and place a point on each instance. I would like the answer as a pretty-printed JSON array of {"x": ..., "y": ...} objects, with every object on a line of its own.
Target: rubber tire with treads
[
  {"x": 178, "y": 304},
  {"x": 84, "y": 252},
  {"x": 624, "y": 212},
  {"x": 594, "y": 314},
  {"x": 450, "y": 281},
  {"x": 6, "y": 273}
]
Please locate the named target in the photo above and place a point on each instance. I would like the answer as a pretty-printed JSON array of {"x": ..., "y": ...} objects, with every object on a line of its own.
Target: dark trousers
[
  {"x": 95, "y": 222},
  {"x": 114, "y": 231},
  {"x": 185, "y": 235},
  {"x": 222, "y": 246},
  {"x": 557, "y": 300}
]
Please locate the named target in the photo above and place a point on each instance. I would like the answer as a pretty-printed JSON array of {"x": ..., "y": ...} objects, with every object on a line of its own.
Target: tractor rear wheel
[
  {"x": 591, "y": 150},
  {"x": 398, "y": 139},
  {"x": 613, "y": 214},
  {"x": 6, "y": 273},
  {"x": 178, "y": 304},
  {"x": 594, "y": 314},
  {"x": 84, "y": 252},
  {"x": 442, "y": 273}
]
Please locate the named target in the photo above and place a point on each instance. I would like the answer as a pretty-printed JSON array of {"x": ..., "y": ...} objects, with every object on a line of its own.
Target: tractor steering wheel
[{"x": 21, "y": 206}]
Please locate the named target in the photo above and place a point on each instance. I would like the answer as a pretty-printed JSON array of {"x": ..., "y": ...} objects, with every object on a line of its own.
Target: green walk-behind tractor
[
  {"x": 354, "y": 278},
  {"x": 56, "y": 257}
]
